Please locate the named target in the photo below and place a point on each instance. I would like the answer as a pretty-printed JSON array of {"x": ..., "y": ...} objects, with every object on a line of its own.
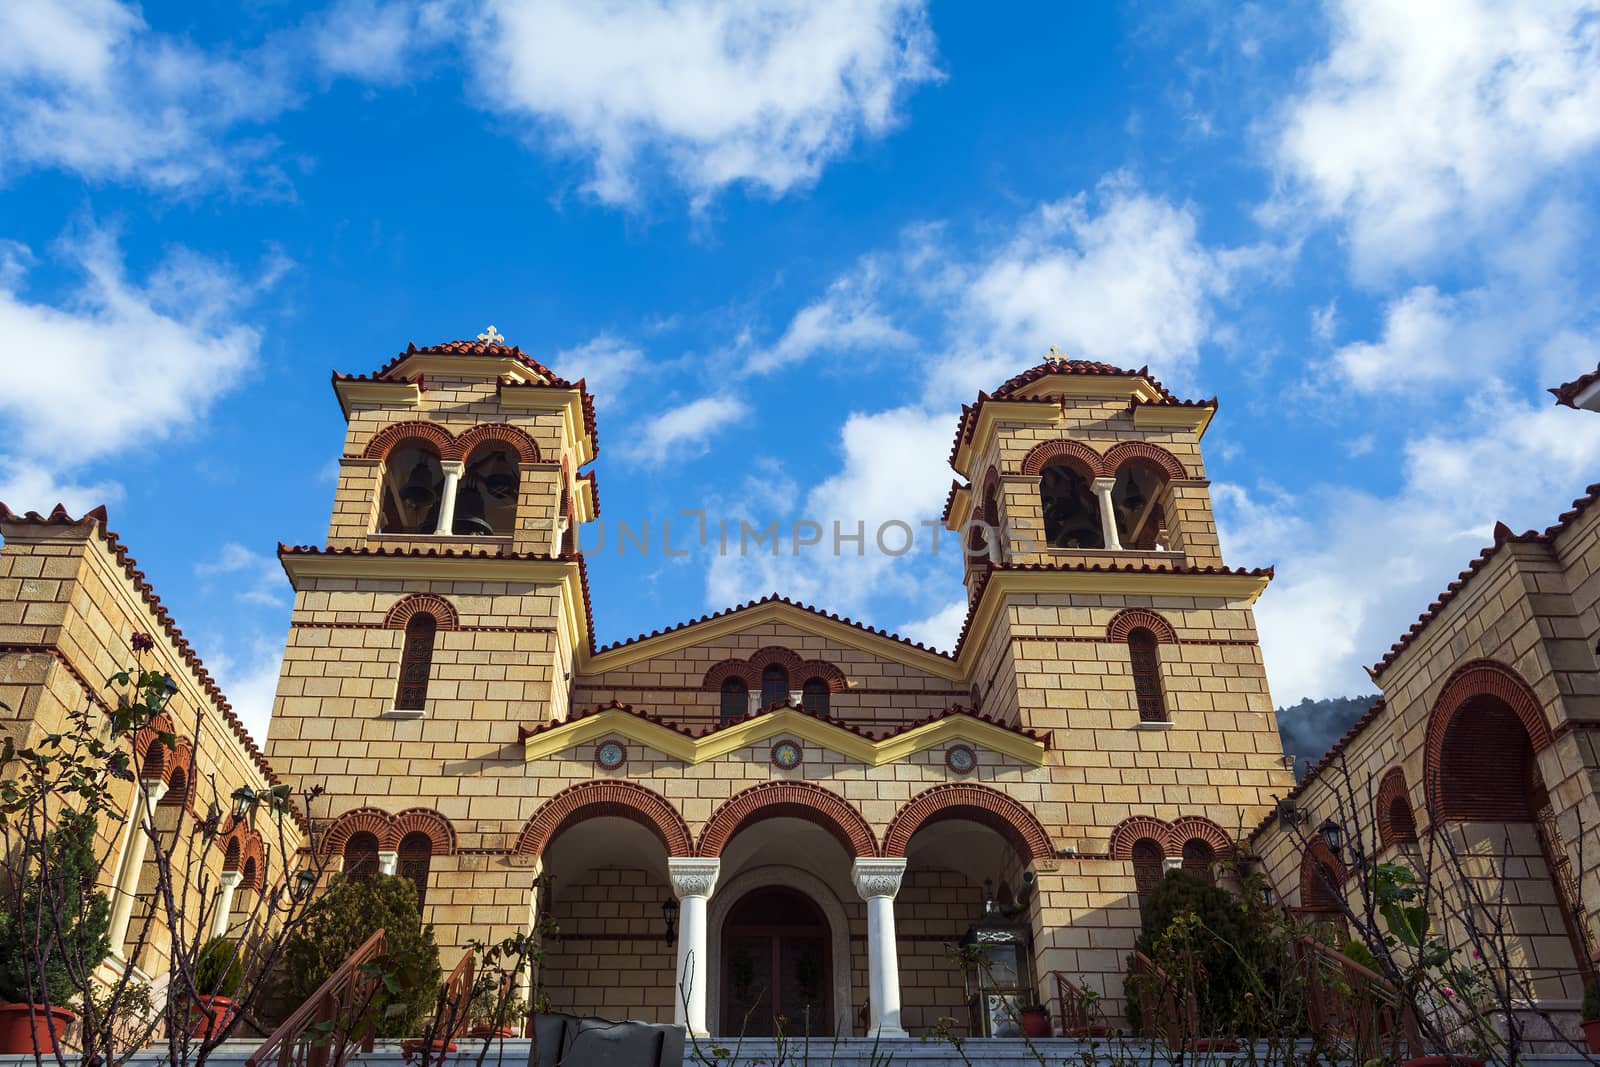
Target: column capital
[
  {"x": 1103, "y": 485},
  {"x": 457, "y": 467},
  {"x": 388, "y": 862},
  {"x": 154, "y": 788},
  {"x": 878, "y": 877},
  {"x": 693, "y": 876},
  {"x": 230, "y": 880}
]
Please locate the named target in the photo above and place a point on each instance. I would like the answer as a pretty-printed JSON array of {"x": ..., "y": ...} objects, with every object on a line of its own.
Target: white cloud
[
  {"x": 686, "y": 431},
  {"x": 1356, "y": 568},
  {"x": 26, "y": 485},
  {"x": 1430, "y": 121},
  {"x": 608, "y": 364},
  {"x": 764, "y": 93},
  {"x": 87, "y": 86},
  {"x": 373, "y": 41},
  {"x": 846, "y": 319},
  {"x": 939, "y": 630},
  {"x": 249, "y": 679},
  {"x": 252, "y": 577},
  {"x": 1121, "y": 276}
]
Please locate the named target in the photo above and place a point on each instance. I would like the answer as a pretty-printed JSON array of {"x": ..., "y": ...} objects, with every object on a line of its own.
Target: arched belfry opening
[
  {"x": 1071, "y": 509},
  {"x": 486, "y": 501},
  {"x": 413, "y": 487}
]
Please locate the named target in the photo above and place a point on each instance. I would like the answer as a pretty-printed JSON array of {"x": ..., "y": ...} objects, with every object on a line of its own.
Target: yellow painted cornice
[
  {"x": 993, "y": 412},
  {"x": 786, "y": 723},
  {"x": 386, "y": 394},
  {"x": 585, "y": 500},
  {"x": 768, "y": 612},
  {"x": 1173, "y": 417},
  {"x": 960, "y": 505},
  {"x": 1093, "y": 387},
  {"x": 569, "y": 402},
  {"x": 448, "y": 366}
]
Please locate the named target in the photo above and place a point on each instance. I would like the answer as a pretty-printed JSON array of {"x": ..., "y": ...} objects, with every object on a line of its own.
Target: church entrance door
[{"x": 776, "y": 966}]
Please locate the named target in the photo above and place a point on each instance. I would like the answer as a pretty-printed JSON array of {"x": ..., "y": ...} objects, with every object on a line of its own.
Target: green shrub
[
  {"x": 335, "y": 926},
  {"x": 82, "y": 917},
  {"x": 1591, "y": 1002},
  {"x": 218, "y": 968},
  {"x": 1357, "y": 951}
]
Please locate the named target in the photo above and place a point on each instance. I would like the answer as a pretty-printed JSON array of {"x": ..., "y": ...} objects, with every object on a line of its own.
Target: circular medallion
[
  {"x": 610, "y": 754},
  {"x": 786, "y": 754},
  {"x": 961, "y": 759}
]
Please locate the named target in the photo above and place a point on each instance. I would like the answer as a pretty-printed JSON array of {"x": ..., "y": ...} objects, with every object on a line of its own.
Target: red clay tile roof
[
  {"x": 1502, "y": 536},
  {"x": 466, "y": 348},
  {"x": 594, "y": 485},
  {"x": 1043, "y": 737},
  {"x": 1567, "y": 393},
  {"x": 97, "y": 518},
  {"x": 1368, "y": 717},
  {"x": 950, "y": 499}
]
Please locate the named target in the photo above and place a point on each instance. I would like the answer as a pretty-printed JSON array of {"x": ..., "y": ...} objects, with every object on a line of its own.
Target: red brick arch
[
  {"x": 731, "y": 668},
  {"x": 1186, "y": 828},
  {"x": 749, "y": 671},
  {"x": 392, "y": 436},
  {"x": 786, "y": 658},
  {"x": 443, "y": 612},
  {"x": 243, "y": 852},
  {"x": 1119, "y": 455},
  {"x": 1395, "y": 820},
  {"x": 994, "y": 809},
  {"x": 1321, "y": 879},
  {"x": 588, "y": 800},
  {"x": 374, "y": 821},
  {"x": 816, "y": 668},
  {"x": 1078, "y": 454},
  {"x": 1474, "y": 679},
  {"x": 1135, "y": 828},
  {"x": 526, "y": 448},
  {"x": 425, "y": 821},
  {"x": 800, "y": 800},
  {"x": 1125, "y": 622}
]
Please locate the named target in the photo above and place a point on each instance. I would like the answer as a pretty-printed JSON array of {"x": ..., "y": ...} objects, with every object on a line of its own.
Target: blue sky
[{"x": 784, "y": 242}]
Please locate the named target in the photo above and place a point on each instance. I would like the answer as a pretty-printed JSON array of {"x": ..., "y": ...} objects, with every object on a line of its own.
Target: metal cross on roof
[
  {"x": 1053, "y": 356},
  {"x": 491, "y": 336}
]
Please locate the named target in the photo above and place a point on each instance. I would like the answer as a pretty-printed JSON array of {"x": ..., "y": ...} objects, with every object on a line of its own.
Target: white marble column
[
  {"x": 525, "y": 972},
  {"x": 453, "y": 470},
  {"x": 388, "y": 862},
  {"x": 1108, "y": 514},
  {"x": 692, "y": 883},
  {"x": 225, "y": 887},
  {"x": 146, "y": 796},
  {"x": 878, "y": 880}
]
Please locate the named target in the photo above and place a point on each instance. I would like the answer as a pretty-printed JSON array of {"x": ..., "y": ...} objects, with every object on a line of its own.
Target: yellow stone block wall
[{"x": 68, "y": 610}]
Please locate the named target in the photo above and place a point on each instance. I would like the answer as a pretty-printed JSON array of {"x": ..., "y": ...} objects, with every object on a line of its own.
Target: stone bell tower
[{"x": 443, "y": 615}]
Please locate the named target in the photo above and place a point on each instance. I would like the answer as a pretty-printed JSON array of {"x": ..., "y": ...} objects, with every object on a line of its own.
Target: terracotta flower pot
[
  {"x": 1591, "y": 1034},
  {"x": 214, "y": 1015},
  {"x": 21, "y": 1034},
  {"x": 1036, "y": 1024},
  {"x": 490, "y": 1031}
]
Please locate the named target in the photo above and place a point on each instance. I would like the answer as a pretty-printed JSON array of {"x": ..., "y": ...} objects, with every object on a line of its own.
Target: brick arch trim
[
  {"x": 816, "y": 668},
  {"x": 1119, "y": 455},
  {"x": 799, "y": 799},
  {"x": 526, "y": 447},
  {"x": 1186, "y": 828},
  {"x": 1000, "y": 812},
  {"x": 731, "y": 668},
  {"x": 595, "y": 799},
  {"x": 1477, "y": 678},
  {"x": 390, "y": 437},
  {"x": 1045, "y": 453},
  {"x": 1124, "y": 622},
  {"x": 1321, "y": 878},
  {"x": 425, "y": 821},
  {"x": 777, "y": 654},
  {"x": 443, "y": 612},
  {"x": 239, "y": 847},
  {"x": 749, "y": 671},
  {"x": 1134, "y": 828},
  {"x": 374, "y": 821},
  {"x": 1391, "y": 790}
]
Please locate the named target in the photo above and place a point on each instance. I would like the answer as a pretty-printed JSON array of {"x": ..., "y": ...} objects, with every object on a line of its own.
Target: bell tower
[{"x": 444, "y": 613}]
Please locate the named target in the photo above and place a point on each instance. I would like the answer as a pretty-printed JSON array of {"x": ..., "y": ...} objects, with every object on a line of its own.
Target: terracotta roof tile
[
  {"x": 97, "y": 518},
  {"x": 955, "y": 710},
  {"x": 950, "y": 499},
  {"x": 1567, "y": 393},
  {"x": 476, "y": 348}
]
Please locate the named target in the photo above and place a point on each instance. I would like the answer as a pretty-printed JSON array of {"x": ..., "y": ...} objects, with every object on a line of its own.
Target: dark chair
[{"x": 568, "y": 1041}]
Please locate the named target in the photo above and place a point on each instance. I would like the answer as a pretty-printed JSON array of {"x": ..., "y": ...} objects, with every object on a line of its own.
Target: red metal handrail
[
  {"x": 1072, "y": 1007},
  {"x": 1346, "y": 1002},
  {"x": 324, "y": 1030},
  {"x": 1161, "y": 1001},
  {"x": 452, "y": 1012}
]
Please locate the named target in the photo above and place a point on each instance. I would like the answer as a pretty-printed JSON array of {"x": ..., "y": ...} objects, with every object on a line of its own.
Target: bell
[
  {"x": 418, "y": 491},
  {"x": 469, "y": 520},
  {"x": 501, "y": 486},
  {"x": 1134, "y": 500}
]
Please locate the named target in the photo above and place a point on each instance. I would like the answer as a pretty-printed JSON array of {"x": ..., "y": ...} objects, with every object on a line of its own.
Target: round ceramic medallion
[
  {"x": 610, "y": 754},
  {"x": 961, "y": 759},
  {"x": 786, "y": 754}
]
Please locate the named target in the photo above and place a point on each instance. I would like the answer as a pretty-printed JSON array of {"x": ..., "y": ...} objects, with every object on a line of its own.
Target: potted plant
[
  {"x": 497, "y": 1011},
  {"x": 55, "y": 920},
  {"x": 1035, "y": 1020},
  {"x": 218, "y": 971},
  {"x": 1591, "y": 1015}
]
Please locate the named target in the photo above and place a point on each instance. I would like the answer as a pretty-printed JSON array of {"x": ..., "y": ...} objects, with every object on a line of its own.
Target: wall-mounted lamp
[
  {"x": 1333, "y": 834},
  {"x": 669, "y": 912},
  {"x": 304, "y": 883},
  {"x": 245, "y": 800},
  {"x": 1288, "y": 814}
]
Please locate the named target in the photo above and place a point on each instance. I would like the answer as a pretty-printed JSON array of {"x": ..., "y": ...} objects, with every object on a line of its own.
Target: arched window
[
  {"x": 1321, "y": 881},
  {"x": 1148, "y": 857},
  {"x": 1197, "y": 859},
  {"x": 1135, "y": 501},
  {"x": 735, "y": 699},
  {"x": 1071, "y": 511},
  {"x": 1402, "y": 823},
  {"x": 774, "y": 686},
  {"x": 416, "y": 660},
  {"x": 416, "y": 852},
  {"x": 814, "y": 697},
  {"x": 412, "y": 483},
  {"x": 486, "y": 500},
  {"x": 1146, "y": 664},
  {"x": 177, "y": 793},
  {"x": 361, "y": 855}
]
